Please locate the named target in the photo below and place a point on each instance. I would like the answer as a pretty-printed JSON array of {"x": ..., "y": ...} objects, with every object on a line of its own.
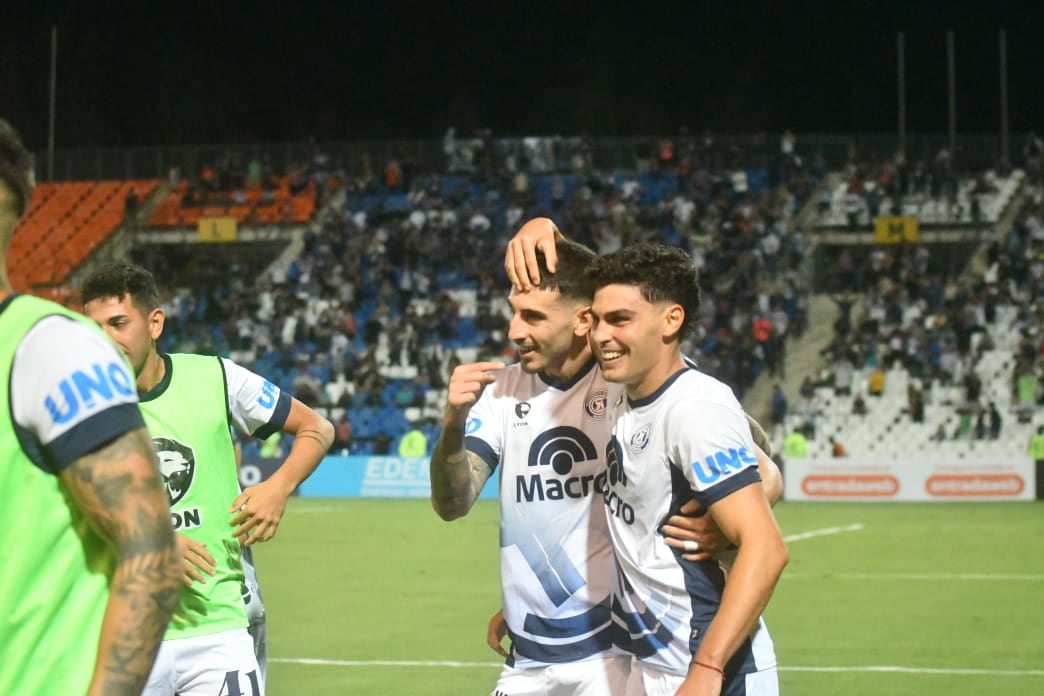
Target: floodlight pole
[
  {"x": 901, "y": 49},
  {"x": 952, "y": 75},
  {"x": 1003, "y": 47},
  {"x": 51, "y": 109}
]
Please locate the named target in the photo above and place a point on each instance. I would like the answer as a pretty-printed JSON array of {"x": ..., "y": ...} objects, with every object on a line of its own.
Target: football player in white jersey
[
  {"x": 543, "y": 422},
  {"x": 679, "y": 433}
]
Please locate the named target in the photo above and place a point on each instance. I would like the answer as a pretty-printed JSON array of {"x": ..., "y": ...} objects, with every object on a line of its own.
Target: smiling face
[
  {"x": 634, "y": 340},
  {"x": 548, "y": 330},
  {"x": 129, "y": 327}
]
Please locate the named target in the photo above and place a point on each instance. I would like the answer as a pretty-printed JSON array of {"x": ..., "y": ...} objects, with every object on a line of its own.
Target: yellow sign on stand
[
  {"x": 895, "y": 230},
  {"x": 217, "y": 229}
]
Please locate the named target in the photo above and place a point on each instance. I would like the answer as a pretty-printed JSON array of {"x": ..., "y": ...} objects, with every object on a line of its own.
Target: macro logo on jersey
[
  {"x": 177, "y": 464},
  {"x": 596, "y": 405},
  {"x": 715, "y": 466},
  {"x": 472, "y": 426},
  {"x": 89, "y": 390},
  {"x": 640, "y": 439},
  {"x": 522, "y": 409},
  {"x": 614, "y": 462},
  {"x": 559, "y": 449},
  {"x": 615, "y": 505}
]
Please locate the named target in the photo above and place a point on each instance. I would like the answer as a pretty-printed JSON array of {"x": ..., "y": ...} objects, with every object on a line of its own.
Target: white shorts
[
  {"x": 763, "y": 683},
  {"x": 599, "y": 677},
  {"x": 219, "y": 663}
]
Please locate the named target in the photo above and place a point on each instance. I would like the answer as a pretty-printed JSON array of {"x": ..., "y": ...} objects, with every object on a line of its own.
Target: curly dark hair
[
  {"x": 119, "y": 279},
  {"x": 662, "y": 273},
  {"x": 16, "y": 167},
  {"x": 570, "y": 278}
]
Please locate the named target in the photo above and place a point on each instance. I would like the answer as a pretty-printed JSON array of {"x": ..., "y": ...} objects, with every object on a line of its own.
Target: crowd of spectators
[
  {"x": 402, "y": 278},
  {"x": 905, "y": 307},
  {"x": 935, "y": 190}
]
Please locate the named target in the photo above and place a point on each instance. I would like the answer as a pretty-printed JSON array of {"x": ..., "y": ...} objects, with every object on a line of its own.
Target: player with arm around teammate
[
  {"x": 691, "y": 530},
  {"x": 89, "y": 572},
  {"x": 190, "y": 402},
  {"x": 692, "y": 632},
  {"x": 542, "y": 422}
]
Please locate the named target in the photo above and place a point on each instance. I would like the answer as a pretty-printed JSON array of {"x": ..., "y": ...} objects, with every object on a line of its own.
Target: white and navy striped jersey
[
  {"x": 689, "y": 439},
  {"x": 556, "y": 562}
]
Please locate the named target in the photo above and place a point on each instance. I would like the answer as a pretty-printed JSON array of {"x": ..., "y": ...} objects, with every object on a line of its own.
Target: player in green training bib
[
  {"x": 191, "y": 403},
  {"x": 88, "y": 572}
]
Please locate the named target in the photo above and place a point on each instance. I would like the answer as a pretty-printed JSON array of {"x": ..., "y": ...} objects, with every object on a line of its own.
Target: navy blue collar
[
  {"x": 645, "y": 401},
  {"x": 567, "y": 384}
]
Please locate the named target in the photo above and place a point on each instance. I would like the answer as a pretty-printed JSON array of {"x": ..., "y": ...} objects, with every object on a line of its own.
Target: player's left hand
[
  {"x": 698, "y": 537},
  {"x": 520, "y": 260},
  {"x": 258, "y": 510},
  {"x": 495, "y": 633}
]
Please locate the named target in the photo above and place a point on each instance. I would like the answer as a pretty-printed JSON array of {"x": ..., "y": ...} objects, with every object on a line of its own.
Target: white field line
[
  {"x": 826, "y": 531},
  {"x": 490, "y": 665},
  {"x": 381, "y": 663},
  {"x": 932, "y": 577}
]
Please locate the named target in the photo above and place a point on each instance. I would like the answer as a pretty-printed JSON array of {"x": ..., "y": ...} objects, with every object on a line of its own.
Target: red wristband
[{"x": 710, "y": 667}]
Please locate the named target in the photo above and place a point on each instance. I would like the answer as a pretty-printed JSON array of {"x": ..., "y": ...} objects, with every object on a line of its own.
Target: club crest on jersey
[
  {"x": 522, "y": 409},
  {"x": 597, "y": 404},
  {"x": 640, "y": 440},
  {"x": 177, "y": 464}
]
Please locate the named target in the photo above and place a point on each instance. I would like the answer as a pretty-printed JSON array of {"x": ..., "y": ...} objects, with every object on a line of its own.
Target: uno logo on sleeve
[
  {"x": 89, "y": 390},
  {"x": 720, "y": 464},
  {"x": 269, "y": 393}
]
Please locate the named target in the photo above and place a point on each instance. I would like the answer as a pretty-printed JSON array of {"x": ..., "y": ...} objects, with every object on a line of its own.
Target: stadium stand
[
  {"x": 183, "y": 206},
  {"x": 390, "y": 276},
  {"x": 958, "y": 358},
  {"x": 65, "y": 222},
  {"x": 394, "y": 283}
]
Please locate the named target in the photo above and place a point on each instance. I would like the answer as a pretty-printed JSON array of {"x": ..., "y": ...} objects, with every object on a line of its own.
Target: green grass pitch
[{"x": 921, "y": 587}]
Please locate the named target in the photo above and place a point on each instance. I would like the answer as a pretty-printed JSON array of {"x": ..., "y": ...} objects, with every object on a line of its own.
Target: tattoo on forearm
[
  {"x": 457, "y": 476},
  {"x": 123, "y": 497},
  {"x": 758, "y": 434}
]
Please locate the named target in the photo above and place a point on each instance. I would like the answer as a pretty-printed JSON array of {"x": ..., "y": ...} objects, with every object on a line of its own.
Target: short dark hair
[
  {"x": 16, "y": 167},
  {"x": 570, "y": 278},
  {"x": 119, "y": 279},
  {"x": 662, "y": 273}
]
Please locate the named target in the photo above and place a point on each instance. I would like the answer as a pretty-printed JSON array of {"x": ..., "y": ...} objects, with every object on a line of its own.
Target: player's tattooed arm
[
  {"x": 758, "y": 433},
  {"x": 771, "y": 478},
  {"x": 457, "y": 476},
  {"x": 120, "y": 492}
]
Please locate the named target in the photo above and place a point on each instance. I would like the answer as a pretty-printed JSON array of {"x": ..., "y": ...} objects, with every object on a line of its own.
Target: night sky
[{"x": 175, "y": 73}]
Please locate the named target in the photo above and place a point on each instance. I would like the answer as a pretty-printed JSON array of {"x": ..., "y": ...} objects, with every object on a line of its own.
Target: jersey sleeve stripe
[
  {"x": 730, "y": 485},
  {"x": 483, "y": 450},
  {"x": 278, "y": 419},
  {"x": 90, "y": 434}
]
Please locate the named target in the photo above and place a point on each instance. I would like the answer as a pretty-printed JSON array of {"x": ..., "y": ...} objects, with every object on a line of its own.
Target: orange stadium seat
[
  {"x": 284, "y": 208},
  {"x": 64, "y": 223}
]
